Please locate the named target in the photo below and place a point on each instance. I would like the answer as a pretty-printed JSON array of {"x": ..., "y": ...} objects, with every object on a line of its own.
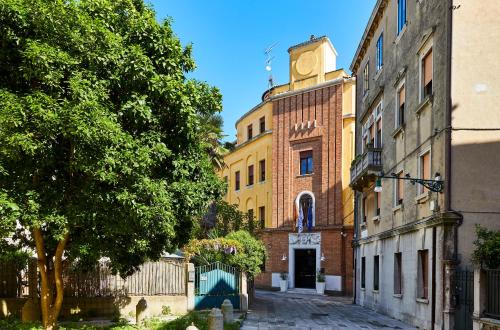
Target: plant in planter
[
  {"x": 320, "y": 283},
  {"x": 283, "y": 281}
]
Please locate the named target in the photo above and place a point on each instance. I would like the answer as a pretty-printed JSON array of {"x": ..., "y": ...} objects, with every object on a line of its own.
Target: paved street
[{"x": 274, "y": 310}]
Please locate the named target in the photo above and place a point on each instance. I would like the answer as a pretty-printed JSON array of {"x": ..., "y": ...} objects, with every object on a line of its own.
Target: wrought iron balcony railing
[{"x": 366, "y": 167}]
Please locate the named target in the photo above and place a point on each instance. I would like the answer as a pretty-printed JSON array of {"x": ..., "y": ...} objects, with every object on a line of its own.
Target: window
[
  {"x": 363, "y": 272},
  {"x": 423, "y": 274},
  {"x": 262, "y": 217},
  {"x": 306, "y": 162},
  {"x": 399, "y": 189},
  {"x": 378, "y": 137},
  {"x": 237, "y": 180},
  {"x": 262, "y": 124},
  {"x": 375, "y": 273},
  {"x": 225, "y": 181},
  {"x": 424, "y": 170},
  {"x": 398, "y": 274},
  {"x": 249, "y": 132},
  {"x": 364, "y": 209},
  {"x": 365, "y": 78},
  {"x": 427, "y": 74},
  {"x": 401, "y": 15},
  {"x": 372, "y": 135},
  {"x": 380, "y": 49},
  {"x": 262, "y": 168},
  {"x": 250, "y": 175},
  {"x": 377, "y": 203},
  {"x": 400, "y": 112}
]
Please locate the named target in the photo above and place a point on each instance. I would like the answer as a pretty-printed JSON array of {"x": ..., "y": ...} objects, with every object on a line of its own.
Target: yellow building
[{"x": 312, "y": 115}]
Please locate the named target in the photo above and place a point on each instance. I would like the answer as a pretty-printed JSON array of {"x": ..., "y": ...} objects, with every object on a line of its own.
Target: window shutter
[
  {"x": 402, "y": 96},
  {"x": 426, "y": 169},
  {"x": 428, "y": 68}
]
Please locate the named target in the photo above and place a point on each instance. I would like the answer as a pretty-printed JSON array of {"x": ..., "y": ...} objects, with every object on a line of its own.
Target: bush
[
  {"x": 253, "y": 256},
  {"x": 487, "y": 251},
  {"x": 238, "y": 249}
]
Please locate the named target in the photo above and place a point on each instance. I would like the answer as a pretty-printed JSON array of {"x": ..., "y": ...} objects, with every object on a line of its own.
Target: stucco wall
[{"x": 475, "y": 154}]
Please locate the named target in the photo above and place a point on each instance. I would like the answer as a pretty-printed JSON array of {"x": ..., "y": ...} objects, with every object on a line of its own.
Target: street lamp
[{"x": 435, "y": 185}]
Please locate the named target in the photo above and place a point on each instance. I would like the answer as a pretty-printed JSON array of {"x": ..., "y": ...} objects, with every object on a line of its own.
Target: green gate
[{"x": 214, "y": 283}]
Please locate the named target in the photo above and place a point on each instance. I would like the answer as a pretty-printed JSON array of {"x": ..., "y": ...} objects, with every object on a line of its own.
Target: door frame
[
  {"x": 294, "y": 244},
  {"x": 295, "y": 264}
]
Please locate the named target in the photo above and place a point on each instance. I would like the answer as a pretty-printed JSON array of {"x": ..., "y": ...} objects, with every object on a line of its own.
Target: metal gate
[
  {"x": 464, "y": 299},
  {"x": 214, "y": 283}
]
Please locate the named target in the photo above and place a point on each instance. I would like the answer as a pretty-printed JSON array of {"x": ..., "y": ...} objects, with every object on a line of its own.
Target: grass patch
[{"x": 199, "y": 319}]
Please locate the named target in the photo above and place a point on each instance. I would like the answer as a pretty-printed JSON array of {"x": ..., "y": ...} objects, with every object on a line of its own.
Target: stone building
[
  {"x": 306, "y": 146},
  {"x": 427, "y": 107}
]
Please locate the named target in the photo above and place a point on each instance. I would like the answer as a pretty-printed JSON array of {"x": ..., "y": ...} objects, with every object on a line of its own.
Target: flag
[
  {"x": 310, "y": 218},
  {"x": 300, "y": 220}
]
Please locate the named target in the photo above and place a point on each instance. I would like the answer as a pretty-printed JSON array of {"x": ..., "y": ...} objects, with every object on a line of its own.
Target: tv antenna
[{"x": 269, "y": 59}]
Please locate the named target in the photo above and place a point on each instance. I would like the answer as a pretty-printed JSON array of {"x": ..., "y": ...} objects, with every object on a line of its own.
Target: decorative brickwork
[{"x": 308, "y": 121}]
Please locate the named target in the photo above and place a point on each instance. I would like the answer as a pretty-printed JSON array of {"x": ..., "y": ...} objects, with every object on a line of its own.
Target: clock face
[{"x": 306, "y": 63}]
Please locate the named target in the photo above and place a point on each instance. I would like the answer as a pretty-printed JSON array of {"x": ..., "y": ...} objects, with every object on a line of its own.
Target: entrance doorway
[{"x": 305, "y": 268}]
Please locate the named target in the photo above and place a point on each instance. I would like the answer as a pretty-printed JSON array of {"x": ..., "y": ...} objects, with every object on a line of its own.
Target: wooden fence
[{"x": 164, "y": 277}]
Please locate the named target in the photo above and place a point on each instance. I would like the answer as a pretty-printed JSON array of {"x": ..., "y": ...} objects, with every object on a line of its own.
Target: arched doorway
[{"x": 305, "y": 204}]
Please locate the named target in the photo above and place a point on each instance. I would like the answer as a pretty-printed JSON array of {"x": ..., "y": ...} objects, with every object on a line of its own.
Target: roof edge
[{"x": 378, "y": 7}]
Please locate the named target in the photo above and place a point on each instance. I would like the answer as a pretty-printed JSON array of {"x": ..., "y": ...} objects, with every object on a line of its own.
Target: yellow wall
[
  {"x": 250, "y": 153},
  {"x": 348, "y": 153},
  {"x": 316, "y": 66}
]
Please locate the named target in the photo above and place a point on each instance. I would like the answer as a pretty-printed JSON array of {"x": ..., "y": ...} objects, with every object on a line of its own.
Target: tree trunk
[{"x": 50, "y": 304}]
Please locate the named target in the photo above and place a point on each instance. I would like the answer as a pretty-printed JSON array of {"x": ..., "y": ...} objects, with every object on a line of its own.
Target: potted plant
[
  {"x": 320, "y": 283},
  {"x": 283, "y": 281}
]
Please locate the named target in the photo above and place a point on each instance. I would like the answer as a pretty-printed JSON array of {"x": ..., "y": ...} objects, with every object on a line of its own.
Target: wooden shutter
[
  {"x": 402, "y": 96},
  {"x": 401, "y": 188},
  {"x": 428, "y": 68}
]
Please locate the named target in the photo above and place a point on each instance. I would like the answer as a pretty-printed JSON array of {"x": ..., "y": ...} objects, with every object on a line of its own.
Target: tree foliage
[
  {"x": 228, "y": 218},
  {"x": 102, "y": 151},
  {"x": 238, "y": 249},
  {"x": 487, "y": 248}
]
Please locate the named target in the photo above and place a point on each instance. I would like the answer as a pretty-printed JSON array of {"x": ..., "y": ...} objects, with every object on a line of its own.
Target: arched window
[{"x": 305, "y": 204}]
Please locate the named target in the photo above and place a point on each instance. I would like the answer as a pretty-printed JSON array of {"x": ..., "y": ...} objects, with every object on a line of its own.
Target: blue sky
[{"x": 229, "y": 39}]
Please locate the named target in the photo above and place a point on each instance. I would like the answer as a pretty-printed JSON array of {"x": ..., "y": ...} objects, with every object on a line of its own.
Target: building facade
[
  {"x": 427, "y": 108},
  {"x": 304, "y": 201}
]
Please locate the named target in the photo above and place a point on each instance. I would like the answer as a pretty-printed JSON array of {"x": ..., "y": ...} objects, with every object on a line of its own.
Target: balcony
[{"x": 366, "y": 167}]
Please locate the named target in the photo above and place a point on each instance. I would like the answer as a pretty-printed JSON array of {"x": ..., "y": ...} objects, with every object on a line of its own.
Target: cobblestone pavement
[{"x": 275, "y": 310}]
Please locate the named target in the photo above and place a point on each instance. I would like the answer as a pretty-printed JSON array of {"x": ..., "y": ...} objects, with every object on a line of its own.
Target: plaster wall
[{"x": 475, "y": 94}]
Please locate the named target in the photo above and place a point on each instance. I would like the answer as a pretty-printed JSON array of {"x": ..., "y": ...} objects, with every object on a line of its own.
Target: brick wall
[{"x": 311, "y": 120}]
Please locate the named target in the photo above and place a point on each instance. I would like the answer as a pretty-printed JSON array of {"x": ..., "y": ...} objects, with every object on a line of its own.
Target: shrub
[{"x": 487, "y": 251}]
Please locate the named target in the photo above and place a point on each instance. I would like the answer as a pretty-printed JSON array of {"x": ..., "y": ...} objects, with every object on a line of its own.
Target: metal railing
[
  {"x": 492, "y": 293},
  {"x": 371, "y": 159}
]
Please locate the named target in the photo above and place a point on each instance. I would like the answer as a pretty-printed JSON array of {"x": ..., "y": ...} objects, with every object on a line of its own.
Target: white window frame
[
  {"x": 424, "y": 50},
  {"x": 396, "y": 113},
  {"x": 377, "y": 59},
  {"x": 420, "y": 188},
  {"x": 396, "y": 189},
  {"x": 378, "y": 116},
  {"x": 366, "y": 86},
  {"x": 400, "y": 32}
]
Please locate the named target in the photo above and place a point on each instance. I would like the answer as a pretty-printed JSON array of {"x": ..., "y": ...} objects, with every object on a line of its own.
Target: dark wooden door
[{"x": 305, "y": 268}]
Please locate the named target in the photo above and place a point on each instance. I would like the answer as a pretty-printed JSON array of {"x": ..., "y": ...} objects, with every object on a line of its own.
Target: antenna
[{"x": 269, "y": 59}]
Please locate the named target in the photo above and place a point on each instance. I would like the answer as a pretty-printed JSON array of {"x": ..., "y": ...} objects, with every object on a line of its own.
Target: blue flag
[
  {"x": 300, "y": 220},
  {"x": 310, "y": 218}
]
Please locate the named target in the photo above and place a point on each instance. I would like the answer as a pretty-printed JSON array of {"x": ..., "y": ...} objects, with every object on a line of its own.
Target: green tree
[
  {"x": 101, "y": 148},
  {"x": 487, "y": 248},
  {"x": 238, "y": 249}
]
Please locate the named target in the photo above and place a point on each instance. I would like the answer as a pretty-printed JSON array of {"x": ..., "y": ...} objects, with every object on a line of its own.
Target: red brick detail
[{"x": 325, "y": 140}]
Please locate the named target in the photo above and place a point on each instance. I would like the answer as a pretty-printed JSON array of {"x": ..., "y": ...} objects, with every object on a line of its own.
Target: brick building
[{"x": 312, "y": 147}]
